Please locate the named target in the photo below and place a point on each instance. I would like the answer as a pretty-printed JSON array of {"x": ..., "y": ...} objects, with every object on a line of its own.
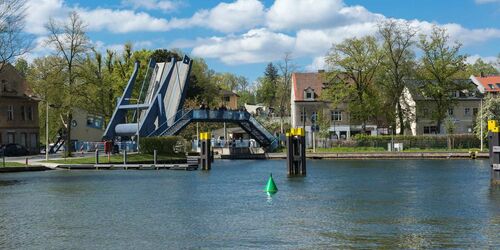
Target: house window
[
  {"x": 430, "y": 130},
  {"x": 491, "y": 86},
  {"x": 24, "y": 138},
  {"x": 10, "y": 138},
  {"x": 450, "y": 111},
  {"x": 336, "y": 115},
  {"x": 467, "y": 111},
  {"x": 303, "y": 116},
  {"x": 226, "y": 98},
  {"x": 309, "y": 94},
  {"x": 23, "y": 114},
  {"x": 475, "y": 111},
  {"x": 498, "y": 85},
  {"x": 95, "y": 121},
  {"x": 33, "y": 140},
  {"x": 10, "y": 113},
  {"x": 425, "y": 112},
  {"x": 30, "y": 113},
  {"x": 314, "y": 117}
]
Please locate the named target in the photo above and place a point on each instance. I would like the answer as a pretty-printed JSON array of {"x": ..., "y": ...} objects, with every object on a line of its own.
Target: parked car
[{"x": 13, "y": 150}]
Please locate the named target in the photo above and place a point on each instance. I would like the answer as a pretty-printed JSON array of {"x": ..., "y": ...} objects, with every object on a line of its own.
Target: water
[{"x": 340, "y": 204}]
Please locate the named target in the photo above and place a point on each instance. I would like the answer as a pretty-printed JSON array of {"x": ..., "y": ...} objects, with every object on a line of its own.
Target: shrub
[
  {"x": 422, "y": 141},
  {"x": 167, "y": 146}
]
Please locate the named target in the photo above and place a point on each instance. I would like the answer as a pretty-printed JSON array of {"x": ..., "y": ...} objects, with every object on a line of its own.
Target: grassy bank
[
  {"x": 381, "y": 149},
  {"x": 12, "y": 164},
  {"x": 118, "y": 159}
]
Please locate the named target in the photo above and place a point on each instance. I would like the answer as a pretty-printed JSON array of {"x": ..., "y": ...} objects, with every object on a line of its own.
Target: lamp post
[
  {"x": 47, "y": 105},
  {"x": 481, "y": 124},
  {"x": 392, "y": 138}
]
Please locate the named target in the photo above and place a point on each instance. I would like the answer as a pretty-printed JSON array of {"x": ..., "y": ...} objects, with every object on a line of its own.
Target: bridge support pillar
[
  {"x": 296, "y": 152},
  {"x": 206, "y": 149},
  {"x": 494, "y": 147}
]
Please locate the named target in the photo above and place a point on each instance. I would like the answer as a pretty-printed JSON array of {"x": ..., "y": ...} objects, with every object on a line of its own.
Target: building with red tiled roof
[
  {"x": 306, "y": 104},
  {"x": 487, "y": 84}
]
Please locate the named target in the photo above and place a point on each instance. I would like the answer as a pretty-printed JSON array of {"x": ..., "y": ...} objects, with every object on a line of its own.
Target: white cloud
[
  {"x": 226, "y": 17},
  {"x": 255, "y": 46},
  {"x": 162, "y": 5},
  {"x": 39, "y": 11},
  {"x": 122, "y": 21},
  {"x": 318, "y": 63}
]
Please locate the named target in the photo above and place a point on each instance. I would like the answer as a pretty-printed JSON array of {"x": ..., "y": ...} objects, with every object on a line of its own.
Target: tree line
[{"x": 371, "y": 73}]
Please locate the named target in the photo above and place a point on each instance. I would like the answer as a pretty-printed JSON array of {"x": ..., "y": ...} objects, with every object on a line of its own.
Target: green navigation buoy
[{"x": 271, "y": 186}]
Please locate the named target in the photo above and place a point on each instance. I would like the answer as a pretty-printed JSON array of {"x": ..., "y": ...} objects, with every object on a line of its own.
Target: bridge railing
[{"x": 205, "y": 114}]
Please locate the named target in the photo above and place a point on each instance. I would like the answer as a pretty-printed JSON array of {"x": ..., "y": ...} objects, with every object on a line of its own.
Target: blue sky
[{"x": 242, "y": 36}]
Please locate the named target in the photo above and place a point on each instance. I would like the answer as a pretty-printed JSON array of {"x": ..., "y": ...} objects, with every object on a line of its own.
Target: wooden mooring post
[
  {"x": 206, "y": 152},
  {"x": 296, "y": 152},
  {"x": 494, "y": 147}
]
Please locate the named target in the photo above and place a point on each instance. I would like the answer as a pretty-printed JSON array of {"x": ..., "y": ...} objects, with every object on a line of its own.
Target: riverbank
[
  {"x": 382, "y": 155},
  {"x": 14, "y": 169}
]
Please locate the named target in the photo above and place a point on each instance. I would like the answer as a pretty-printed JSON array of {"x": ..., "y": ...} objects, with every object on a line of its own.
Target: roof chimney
[{"x": 482, "y": 74}]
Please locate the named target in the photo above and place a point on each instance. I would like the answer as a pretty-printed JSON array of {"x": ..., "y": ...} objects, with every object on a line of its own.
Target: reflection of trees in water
[{"x": 9, "y": 183}]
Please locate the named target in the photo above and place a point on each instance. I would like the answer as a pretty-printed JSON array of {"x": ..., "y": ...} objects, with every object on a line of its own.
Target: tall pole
[
  {"x": 47, "y": 131},
  {"x": 481, "y": 123}
]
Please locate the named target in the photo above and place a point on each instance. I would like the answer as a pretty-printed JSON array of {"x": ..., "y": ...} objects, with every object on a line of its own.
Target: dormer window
[
  {"x": 498, "y": 85},
  {"x": 309, "y": 94},
  {"x": 491, "y": 86}
]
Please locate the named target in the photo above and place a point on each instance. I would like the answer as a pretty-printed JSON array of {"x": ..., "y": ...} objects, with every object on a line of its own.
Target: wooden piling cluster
[
  {"x": 296, "y": 152},
  {"x": 206, "y": 149},
  {"x": 494, "y": 148}
]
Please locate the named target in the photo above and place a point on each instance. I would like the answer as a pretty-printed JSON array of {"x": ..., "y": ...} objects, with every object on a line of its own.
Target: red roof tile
[
  {"x": 302, "y": 81},
  {"x": 487, "y": 80}
]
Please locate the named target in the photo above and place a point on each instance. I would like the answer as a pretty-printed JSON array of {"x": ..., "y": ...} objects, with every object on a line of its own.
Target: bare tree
[
  {"x": 287, "y": 67},
  {"x": 13, "y": 41},
  {"x": 70, "y": 43}
]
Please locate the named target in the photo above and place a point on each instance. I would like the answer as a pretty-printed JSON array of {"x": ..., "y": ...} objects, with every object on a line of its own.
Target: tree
[
  {"x": 397, "y": 66},
  {"x": 287, "y": 68},
  {"x": 490, "y": 111},
  {"x": 480, "y": 67},
  {"x": 267, "y": 86},
  {"x": 46, "y": 78},
  {"x": 14, "y": 41},
  {"x": 22, "y": 66},
  {"x": 439, "y": 67},
  {"x": 164, "y": 55},
  {"x": 70, "y": 43},
  {"x": 355, "y": 63}
]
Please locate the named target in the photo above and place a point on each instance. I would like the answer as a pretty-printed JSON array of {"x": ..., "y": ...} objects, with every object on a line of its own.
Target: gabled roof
[
  {"x": 468, "y": 92},
  {"x": 225, "y": 93},
  {"x": 487, "y": 83},
  {"x": 302, "y": 81}
]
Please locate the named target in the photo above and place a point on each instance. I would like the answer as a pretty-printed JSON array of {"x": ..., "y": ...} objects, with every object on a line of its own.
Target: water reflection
[{"x": 340, "y": 204}]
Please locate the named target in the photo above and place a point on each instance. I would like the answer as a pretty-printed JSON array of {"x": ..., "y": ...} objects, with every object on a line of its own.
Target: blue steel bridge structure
[{"x": 160, "y": 110}]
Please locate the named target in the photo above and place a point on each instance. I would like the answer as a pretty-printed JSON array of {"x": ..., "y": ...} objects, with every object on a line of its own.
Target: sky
[{"x": 242, "y": 36}]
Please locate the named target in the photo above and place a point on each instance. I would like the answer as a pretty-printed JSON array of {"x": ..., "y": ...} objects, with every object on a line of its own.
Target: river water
[{"x": 340, "y": 204}]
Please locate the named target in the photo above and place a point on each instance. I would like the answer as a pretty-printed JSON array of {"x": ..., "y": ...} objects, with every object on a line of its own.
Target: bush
[
  {"x": 167, "y": 146},
  {"x": 458, "y": 141}
]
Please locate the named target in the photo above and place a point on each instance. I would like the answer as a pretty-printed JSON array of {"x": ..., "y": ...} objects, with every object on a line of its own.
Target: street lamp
[{"x": 392, "y": 138}]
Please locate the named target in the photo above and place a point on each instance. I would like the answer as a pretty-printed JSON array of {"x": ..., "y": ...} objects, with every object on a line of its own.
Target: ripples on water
[{"x": 340, "y": 204}]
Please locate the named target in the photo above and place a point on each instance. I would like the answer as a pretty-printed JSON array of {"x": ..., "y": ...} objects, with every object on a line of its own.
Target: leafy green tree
[
  {"x": 490, "y": 110},
  {"x": 47, "y": 78},
  {"x": 439, "y": 67},
  {"x": 480, "y": 67},
  {"x": 397, "y": 66},
  {"x": 356, "y": 62},
  {"x": 70, "y": 43},
  {"x": 22, "y": 66},
  {"x": 164, "y": 55}
]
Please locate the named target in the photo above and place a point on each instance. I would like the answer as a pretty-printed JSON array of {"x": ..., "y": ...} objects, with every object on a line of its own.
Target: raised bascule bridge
[{"x": 160, "y": 111}]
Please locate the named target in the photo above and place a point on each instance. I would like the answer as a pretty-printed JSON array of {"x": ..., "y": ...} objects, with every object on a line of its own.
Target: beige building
[
  {"x": 462, "y": 115},
  {"x": 306, "y": 104},
  {"x": 18, "y": 111},
  {"x": 229, "y": 99},
  {"x": 86, "y": 127}
]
